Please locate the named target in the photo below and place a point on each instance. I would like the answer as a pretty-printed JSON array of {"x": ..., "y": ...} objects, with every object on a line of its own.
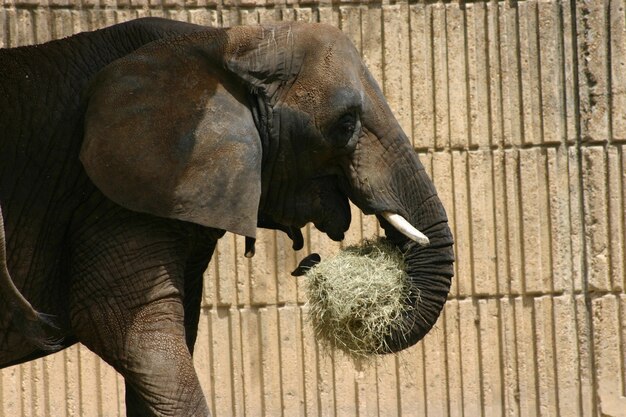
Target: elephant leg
[
  {"x": 157, "y": 366},
  {"x": 127, "y": 306}
]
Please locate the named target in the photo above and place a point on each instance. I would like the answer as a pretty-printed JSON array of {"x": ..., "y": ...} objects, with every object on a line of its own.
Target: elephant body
[{"x": 126, "y": 153}]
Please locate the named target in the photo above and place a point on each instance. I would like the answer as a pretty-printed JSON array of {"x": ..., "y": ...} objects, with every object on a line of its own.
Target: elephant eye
[{"x": 344, "y": 129}]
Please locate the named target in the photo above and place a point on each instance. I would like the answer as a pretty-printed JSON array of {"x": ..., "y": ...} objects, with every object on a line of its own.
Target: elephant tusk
[{"x": 404, "y": 227}]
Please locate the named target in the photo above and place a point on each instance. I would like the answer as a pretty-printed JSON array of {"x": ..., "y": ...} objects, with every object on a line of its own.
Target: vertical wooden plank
[
  {"x": 491, "y": 360},
  {"x": 470, "y": 358},
  {"x": 454, "y": 354},
  {"x": 495, "y": 131},
  {"x": 25, "y": 29},
  {"x": 11, "y": 397},
  {"x": 42, "y": 25},
  {"x": 596, "y": 217},
  {"x": 55, "y": 385},
  {"x": 577, "y": 217},
  {"x": 411, "y": 382},
  {"x": 478, "y": 74},
  {"x": 545, "y": 359},
  {"x": 422, "y": 75},
  {"x": 11, "y": 28},
  {"x": 434, "y": 345},
  {"x": 617, "y": 36},
  {"x": 551, "y": 70},
  {"x": 310, "y": 372},
  {"x": 89, "y": 381},
  {"x": 62, "y": 24},
  {"x": 616, "y": 218},
  {"x": 396, "y": 65},
  {"x": 270, "y": 357},
  {"x": 110, "y": 389},
  {"x": 367, "y": 395},
  {"x": 38, "y": 387},
  {"x": 72, "y": 380},
  {"x": 501, "y": 229},
  {"x": 3, "y": 28},
  {"x": 372, "y": 52},
  {"x": 291, "y": 375},
  {"x": 622, "y": 335},
  {"x": 559, "y": 193},
  {"x": 511, "y": 70},
  {"x": 526, "y": 354},
  {"x": 593, "y": 70},
  {"x": 482, "y": 223},
  {"x": 350, "y": 24},
  {"x": 345, "y": 386},
  {"x": 236, "y": 366},
  {"x": 566, "y": 357},
  {"x": 263, "y": 272},
  {"x": 221, "y": 362},
  {"x": 457, "y": 77},
  {"x": 387, "y": 378},
  {"x": 585, "y": 355},
  {"x": 570, "y": 51},
  {"x": 251, "y": 353},
  {"x": 535, "y": 223},
  {"x": 607, "y": 332},
  {"x": 325, "y": 382},
  {"x": 440, "y": 68},
  {"x": 531, "y": 83},
  {"x": 509, "y": 358}
]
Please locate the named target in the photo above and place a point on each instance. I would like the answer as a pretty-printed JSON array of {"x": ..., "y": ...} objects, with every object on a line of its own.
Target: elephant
[{"x": 127, "y": 152}]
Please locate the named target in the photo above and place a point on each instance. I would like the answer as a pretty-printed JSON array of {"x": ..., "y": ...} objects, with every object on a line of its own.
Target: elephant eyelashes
[{"x": 344, "y": 129}]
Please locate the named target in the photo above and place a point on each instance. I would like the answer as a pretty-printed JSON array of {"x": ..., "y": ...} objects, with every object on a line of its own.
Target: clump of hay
[{"x": 358, "y": 297}]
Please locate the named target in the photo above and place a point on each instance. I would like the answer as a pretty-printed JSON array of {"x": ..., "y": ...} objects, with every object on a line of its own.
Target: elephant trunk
[
  {"x": 405, "y": 189},
  {"x": 429, "y": 269}
]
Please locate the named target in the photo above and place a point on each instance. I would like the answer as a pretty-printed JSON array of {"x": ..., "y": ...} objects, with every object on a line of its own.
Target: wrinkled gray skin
[{"x": 127, "y": 152}]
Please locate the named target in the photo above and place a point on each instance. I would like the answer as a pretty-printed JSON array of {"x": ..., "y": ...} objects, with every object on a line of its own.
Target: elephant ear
[{"x": 168, "y": 132}]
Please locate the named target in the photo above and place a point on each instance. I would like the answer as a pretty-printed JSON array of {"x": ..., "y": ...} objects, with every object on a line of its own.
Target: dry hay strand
[{"x": 358, "y": 298}]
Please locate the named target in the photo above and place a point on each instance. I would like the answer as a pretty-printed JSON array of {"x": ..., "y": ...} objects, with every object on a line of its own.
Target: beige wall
[{"x": 519, "y": 112}]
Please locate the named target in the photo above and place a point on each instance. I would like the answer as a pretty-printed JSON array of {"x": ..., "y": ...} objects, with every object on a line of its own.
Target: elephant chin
[{"x": 430, "y": 274}]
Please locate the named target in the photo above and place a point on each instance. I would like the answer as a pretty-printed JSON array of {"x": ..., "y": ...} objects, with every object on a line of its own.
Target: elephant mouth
[{"x": 323, "y": 203}]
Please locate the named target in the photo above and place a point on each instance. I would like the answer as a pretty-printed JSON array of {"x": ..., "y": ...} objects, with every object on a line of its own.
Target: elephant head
[{"x": 272, "y": 126}]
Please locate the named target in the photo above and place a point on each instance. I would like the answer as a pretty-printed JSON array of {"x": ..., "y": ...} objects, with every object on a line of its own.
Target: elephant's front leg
[{"x": 126, "y": 305}]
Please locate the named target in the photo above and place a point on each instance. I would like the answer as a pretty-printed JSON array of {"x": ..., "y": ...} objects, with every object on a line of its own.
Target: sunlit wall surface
[{"x": 518, "y": 109}]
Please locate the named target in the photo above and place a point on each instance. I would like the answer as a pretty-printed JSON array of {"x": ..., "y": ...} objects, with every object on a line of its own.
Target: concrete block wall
[{"x": 518, "y": 109}]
